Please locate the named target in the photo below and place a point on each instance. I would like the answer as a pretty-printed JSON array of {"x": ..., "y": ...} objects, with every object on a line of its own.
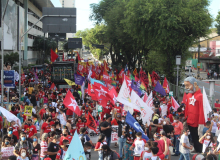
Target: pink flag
[{"x": 175, "y": 104}]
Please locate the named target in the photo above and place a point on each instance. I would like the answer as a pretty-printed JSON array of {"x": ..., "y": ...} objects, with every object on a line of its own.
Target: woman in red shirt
[{"x": 80, "y": 124}]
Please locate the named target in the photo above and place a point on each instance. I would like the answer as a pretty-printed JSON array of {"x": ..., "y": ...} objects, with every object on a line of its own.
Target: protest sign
[
  {"x": 7, "y": 151},
  {"x": 114, "y": 136},
  {"x": 28, "y": 111}
]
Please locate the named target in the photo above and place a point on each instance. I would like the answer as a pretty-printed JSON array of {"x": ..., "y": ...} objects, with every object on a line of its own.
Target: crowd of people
[{"x": 46, "y": 134}]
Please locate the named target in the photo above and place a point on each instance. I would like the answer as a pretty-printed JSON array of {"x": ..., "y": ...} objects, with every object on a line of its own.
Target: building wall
[{"x": 206, "y": 43}]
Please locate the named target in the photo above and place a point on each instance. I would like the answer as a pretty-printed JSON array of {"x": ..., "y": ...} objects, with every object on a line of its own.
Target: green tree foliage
[
  {"x": 218, "y": 23},
  {"x": 151, "y": 33},
  {"x": 11, "y": 58},
  {"x": 39, "y": 43}
]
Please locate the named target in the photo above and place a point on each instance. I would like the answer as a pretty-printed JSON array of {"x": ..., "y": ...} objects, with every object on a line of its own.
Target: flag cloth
[
  {"x": 112, "y": 94},
  {"x": 206, "y": 106},
  {"x": 175, "y": 104},
  {"x": 53, "y": 87},
  {"x": 136, "y": 78},
  {"x": 135, "y": 125},
  {"x": 165, "y": 85},
  {"x": 114, "y": 83},
  {"x": 135, "y": 100},
  {"x": 158, "y": 88},
  {"x": 128, "y": 82},
  {"x": 145, "y": 97},
  {"x": 143, "y": 86},
  {"x": 79, "y": 79},
  {"x": 78, "y": 56},
  {"x": 53, "y": 55},
  {"x": 132, "y": 78},
  {"x": 100, "y": 91},
  {"x": 90, "y": 122},
  {"x": 106, "y": 77},
  {"x": 124, "y": 95},
  {"x": 70, "y": 103},
  {"x": 184, "y": 98},
  {"x": 69, "y": 82},
  {"x": 135, "y": 71},
  {"x": 150, "y": 100},
  {"x": 135, "y": 85},
  {"x": 128, "y": 73},
  {"x": 149, "y": 79},
  {"x": 154, "y": 78},
  {"x": 83, "y": 91},
  {"x": 75, "y": 150},
  {"x": 143, "y": 77},
  {"x": 9, "y": 116},
  {"x": 97, "y": 81},
  {"x": 91, "y": 92}
]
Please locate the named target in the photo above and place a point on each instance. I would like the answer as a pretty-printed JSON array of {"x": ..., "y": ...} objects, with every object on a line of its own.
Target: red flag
[
  {"x": 70, "y": 103},
  {"x": 154, "y": 78},
  {"x": 100, "y": 91},
  {"x": 90, "y": 122},
  {"x": 109, "y": 86},
  {"x": 106, "y": 77},
  {"x": 103, "y": 102},
  {"x": 144, "y": 77},
  {"x": 78, "y": 56},
  {"x": 91, "y": 93},
  {"x": 53, "y": 55},
  {"x": 112, "y": 94},
  {"x": 80, "y": 67},
  {"x": 128, "y": 73},
  {"x": 175, "y": 104},
  {"x": 136, "y": 78},
  {"x": 184, "y": 98},
  {"x": 165, "y": 85},
  {"x": 53, "y": 87}
]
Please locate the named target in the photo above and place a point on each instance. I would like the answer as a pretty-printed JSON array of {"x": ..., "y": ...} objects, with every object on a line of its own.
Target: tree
[
  {"x": 40, "y": 45},
  {"x": 168, "y": 27},
  {"x": 218, "y": 23},
  {"x": 11, "y": 58}
]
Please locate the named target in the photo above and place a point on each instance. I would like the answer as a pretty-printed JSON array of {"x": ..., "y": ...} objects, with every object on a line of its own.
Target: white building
[{"x": 21, "y": 15}]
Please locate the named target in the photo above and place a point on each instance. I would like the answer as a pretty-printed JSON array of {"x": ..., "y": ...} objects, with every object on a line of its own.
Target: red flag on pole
[
  {"x": 166, "y": 86},
  {"x": 53, "y": 55},
  {"x": 70, "y": 103},
  {"x": 112, "y": 94},
  {"x": 175, "y": 104},
  {"x": 91, "y": 122},
  {"x": 53, "y": 87}
]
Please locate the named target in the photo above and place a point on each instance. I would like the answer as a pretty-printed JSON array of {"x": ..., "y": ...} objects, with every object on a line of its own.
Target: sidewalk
[{"x": 203, "y": 76}]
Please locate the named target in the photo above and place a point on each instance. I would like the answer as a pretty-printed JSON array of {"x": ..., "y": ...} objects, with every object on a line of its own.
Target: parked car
[{"x": 187, "y": 68}]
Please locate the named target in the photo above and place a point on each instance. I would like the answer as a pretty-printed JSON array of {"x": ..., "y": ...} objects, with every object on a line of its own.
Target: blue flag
[
  {"x": 75, "y": 149},
  {"x": 97, "y": 81},
  {"x": 158, "y": 88},
  {"x": 135, "y": 125}
]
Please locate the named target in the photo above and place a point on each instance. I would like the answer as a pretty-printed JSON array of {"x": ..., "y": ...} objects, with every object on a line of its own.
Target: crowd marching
[{"x": 103, "y": 106}]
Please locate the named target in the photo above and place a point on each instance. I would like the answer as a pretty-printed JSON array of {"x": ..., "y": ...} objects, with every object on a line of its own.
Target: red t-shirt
[
  {"x": 69, "y": 112},
  {"x": 1, "y": 121},
  {"x": 107, "y": 109},
  {"x": 41, "y": 113},
  {"x": 114, "y": 122},
  {"x": 58, "y": 156},
  {"x": 47, "y": 127},
  {"x": 15, "y": 131},
  {"x": 41, "y": 94},
  {"x": 68, "y": 137},
  {"x": 118, "y": 109},
  {"x": 80, "y": 125},
  {"x": 170, "y": 116},
  {"x": 14, "y": 112},
  {"x": 30, "y": 130}
]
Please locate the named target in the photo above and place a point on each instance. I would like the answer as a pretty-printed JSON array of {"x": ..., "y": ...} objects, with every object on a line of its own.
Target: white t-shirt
[
  {"x": 206, "y": 144},
  {"x": 62, "y": 119},
  {"x": 154, "y": 158},
  {"x": 214, "y": 127},
  {"x": 146, "y": 155},
  {"x": 138, "y": 146}
]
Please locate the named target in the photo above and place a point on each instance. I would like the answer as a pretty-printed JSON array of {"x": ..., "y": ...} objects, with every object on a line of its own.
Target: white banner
[
  {"x": 114, "y": 136},
  {"x": 124, "y": 95}
]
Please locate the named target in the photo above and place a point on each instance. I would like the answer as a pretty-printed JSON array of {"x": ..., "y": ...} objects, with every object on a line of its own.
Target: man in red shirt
[
  {"x": 46, "y": 126},
  {"x": 65, "y": 136},
  {"x": 42, "y": 111},
  {"x": 30, "y": 129},
  {"x": 16, "y": 129},
  {"x": 178, "y": 128}
]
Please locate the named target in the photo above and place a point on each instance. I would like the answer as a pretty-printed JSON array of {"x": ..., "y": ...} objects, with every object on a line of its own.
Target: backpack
[{"x": 83, "y": 140}]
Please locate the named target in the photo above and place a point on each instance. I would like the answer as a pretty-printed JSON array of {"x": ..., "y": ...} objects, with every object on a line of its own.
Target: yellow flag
[
  {"x": 149, "y": 79},
  {"x": 69, "y": 82},
  {"x": 56, "y": 50}
]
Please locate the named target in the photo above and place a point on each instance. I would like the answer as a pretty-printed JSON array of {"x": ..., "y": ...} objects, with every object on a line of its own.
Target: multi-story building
[{"x": 21, "y": 15}]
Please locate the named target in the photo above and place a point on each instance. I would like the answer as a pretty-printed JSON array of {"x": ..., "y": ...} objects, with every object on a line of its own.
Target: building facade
[{"x": 20, "y": 16}]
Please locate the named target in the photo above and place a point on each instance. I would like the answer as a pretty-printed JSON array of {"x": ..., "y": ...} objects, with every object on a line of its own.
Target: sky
[{"x": 83, "y": 11}]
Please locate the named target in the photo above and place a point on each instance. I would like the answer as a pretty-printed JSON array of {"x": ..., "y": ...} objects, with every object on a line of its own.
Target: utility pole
[
  {"x": 198, "y": 66},
  {"x": 2, "y": 45}
]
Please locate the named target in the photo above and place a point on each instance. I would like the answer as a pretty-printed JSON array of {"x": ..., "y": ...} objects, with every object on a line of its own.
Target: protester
[
  {"x": 108, "y": 153},
  {"x": 36, "y": 149},
  {"x": 106, "y": 129}
]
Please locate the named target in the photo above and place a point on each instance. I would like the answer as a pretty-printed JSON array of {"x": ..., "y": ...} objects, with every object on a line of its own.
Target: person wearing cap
[
  {"x": 13, "y": 139},
  {"x": 106, "y": 129}
]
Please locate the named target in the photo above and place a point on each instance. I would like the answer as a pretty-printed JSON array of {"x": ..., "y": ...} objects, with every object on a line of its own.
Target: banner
[
  {"x": 9, "y": 79},
  {"x": 9, "y": 116},
  {"x": 7, "y": 151},
  {"x": 114, "y": 136},
  {"x": 28, "y": 110}
]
